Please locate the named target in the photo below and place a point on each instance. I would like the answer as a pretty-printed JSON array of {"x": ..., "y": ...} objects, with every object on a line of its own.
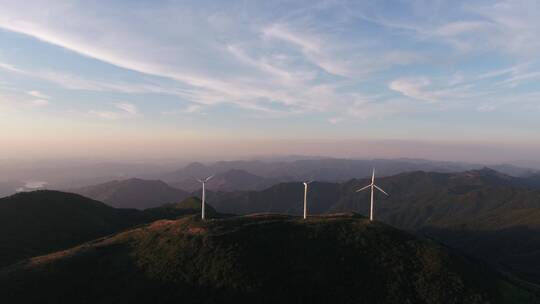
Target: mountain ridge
[{"x": 330, "y": 169}]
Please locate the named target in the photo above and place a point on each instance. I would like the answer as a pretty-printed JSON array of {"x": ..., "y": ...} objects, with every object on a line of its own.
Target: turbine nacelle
[{"x": 204, "y": 180}]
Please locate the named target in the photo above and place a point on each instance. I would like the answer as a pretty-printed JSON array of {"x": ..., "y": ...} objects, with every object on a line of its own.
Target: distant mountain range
[
  {"x": 253, "y": 259},
  {"x": 320, "y": 169},
  {"x": 34, "y": 223},
  {"x": 232, "y": 180},
  {"x": 133, "y": 193},
  {"x": 337, "y": 169},
  {"x": 230, "y": 175},
  {"x": 255, "y": 175}
]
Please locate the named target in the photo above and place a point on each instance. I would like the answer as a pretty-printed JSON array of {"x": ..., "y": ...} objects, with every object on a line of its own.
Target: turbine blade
[
  {"x": 197, "y": 179},
  {"x": 363, "y": 188},
  {"x": 209, "y": 178},
  {"x": 381, "y": 190},
  {"x": 373, "y": 176}
]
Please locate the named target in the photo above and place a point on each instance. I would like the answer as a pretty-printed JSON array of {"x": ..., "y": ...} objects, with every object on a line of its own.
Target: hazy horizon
[{"x": 218, "y": 150}]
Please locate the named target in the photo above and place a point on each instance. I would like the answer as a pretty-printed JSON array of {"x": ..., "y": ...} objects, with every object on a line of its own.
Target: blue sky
[{"x": 165, "y": 78}]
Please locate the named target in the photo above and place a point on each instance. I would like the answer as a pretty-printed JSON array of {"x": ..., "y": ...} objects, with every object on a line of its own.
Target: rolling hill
[
  {"x": 263, "y": 259},
  {"x": 38, "y": 222},
  {"x": 34, "y": 223},
  {"x": 133, "y": 193}
]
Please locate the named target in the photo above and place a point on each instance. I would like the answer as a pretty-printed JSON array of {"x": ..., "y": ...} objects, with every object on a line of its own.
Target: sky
[{"x": 455, "y": 80}]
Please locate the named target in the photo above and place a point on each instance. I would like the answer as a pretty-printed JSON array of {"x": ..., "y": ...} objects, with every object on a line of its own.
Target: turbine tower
[
  {"x": 203, "y": 181},
  {"x": 373, "y": 187},
  {"x": 305, "y": 197}
]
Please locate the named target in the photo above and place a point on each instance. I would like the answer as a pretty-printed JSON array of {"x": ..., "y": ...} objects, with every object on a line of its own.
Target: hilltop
[{"x": 270, "y": 259}]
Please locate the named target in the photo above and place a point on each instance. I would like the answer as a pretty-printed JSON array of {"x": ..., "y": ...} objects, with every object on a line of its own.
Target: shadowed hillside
[
  {"x": 133, "y": 193},
  {"x": 259, "y": 259},
  {"x": 39, "y": 222}
]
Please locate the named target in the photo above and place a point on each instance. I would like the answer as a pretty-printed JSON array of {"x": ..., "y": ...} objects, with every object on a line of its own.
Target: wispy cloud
[
  {"x": 38, "y": 94},
  {"x": 311, "y": 47},
  {"x": 190, "y": 109},
  {"x": 124, "y": 110},
  {"x": 415, "y": 88},
  {"x": 74, "y": 82},
  {"x": 41, "y": 100},
  {"x": 127, "y": 107}
]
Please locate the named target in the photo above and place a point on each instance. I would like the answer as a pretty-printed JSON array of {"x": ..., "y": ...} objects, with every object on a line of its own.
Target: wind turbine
[
  {"x": 203, "y": 181},
  {"x": 373, "y": 187},
  {"x": 305, "y": 197}
]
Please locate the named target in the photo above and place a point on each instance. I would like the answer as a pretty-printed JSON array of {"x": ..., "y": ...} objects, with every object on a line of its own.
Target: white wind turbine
[
  {"x": 373, "y": 187},
  {"x": 203, "y": 181},
  {"x": 305, "y": 197}
]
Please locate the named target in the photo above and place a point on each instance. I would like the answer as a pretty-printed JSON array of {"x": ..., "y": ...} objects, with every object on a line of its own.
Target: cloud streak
[{"x": 124, "y": 110}]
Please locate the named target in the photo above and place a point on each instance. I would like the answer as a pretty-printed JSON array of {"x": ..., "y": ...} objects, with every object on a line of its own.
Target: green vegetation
[{"x": 259, "y": 259}]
